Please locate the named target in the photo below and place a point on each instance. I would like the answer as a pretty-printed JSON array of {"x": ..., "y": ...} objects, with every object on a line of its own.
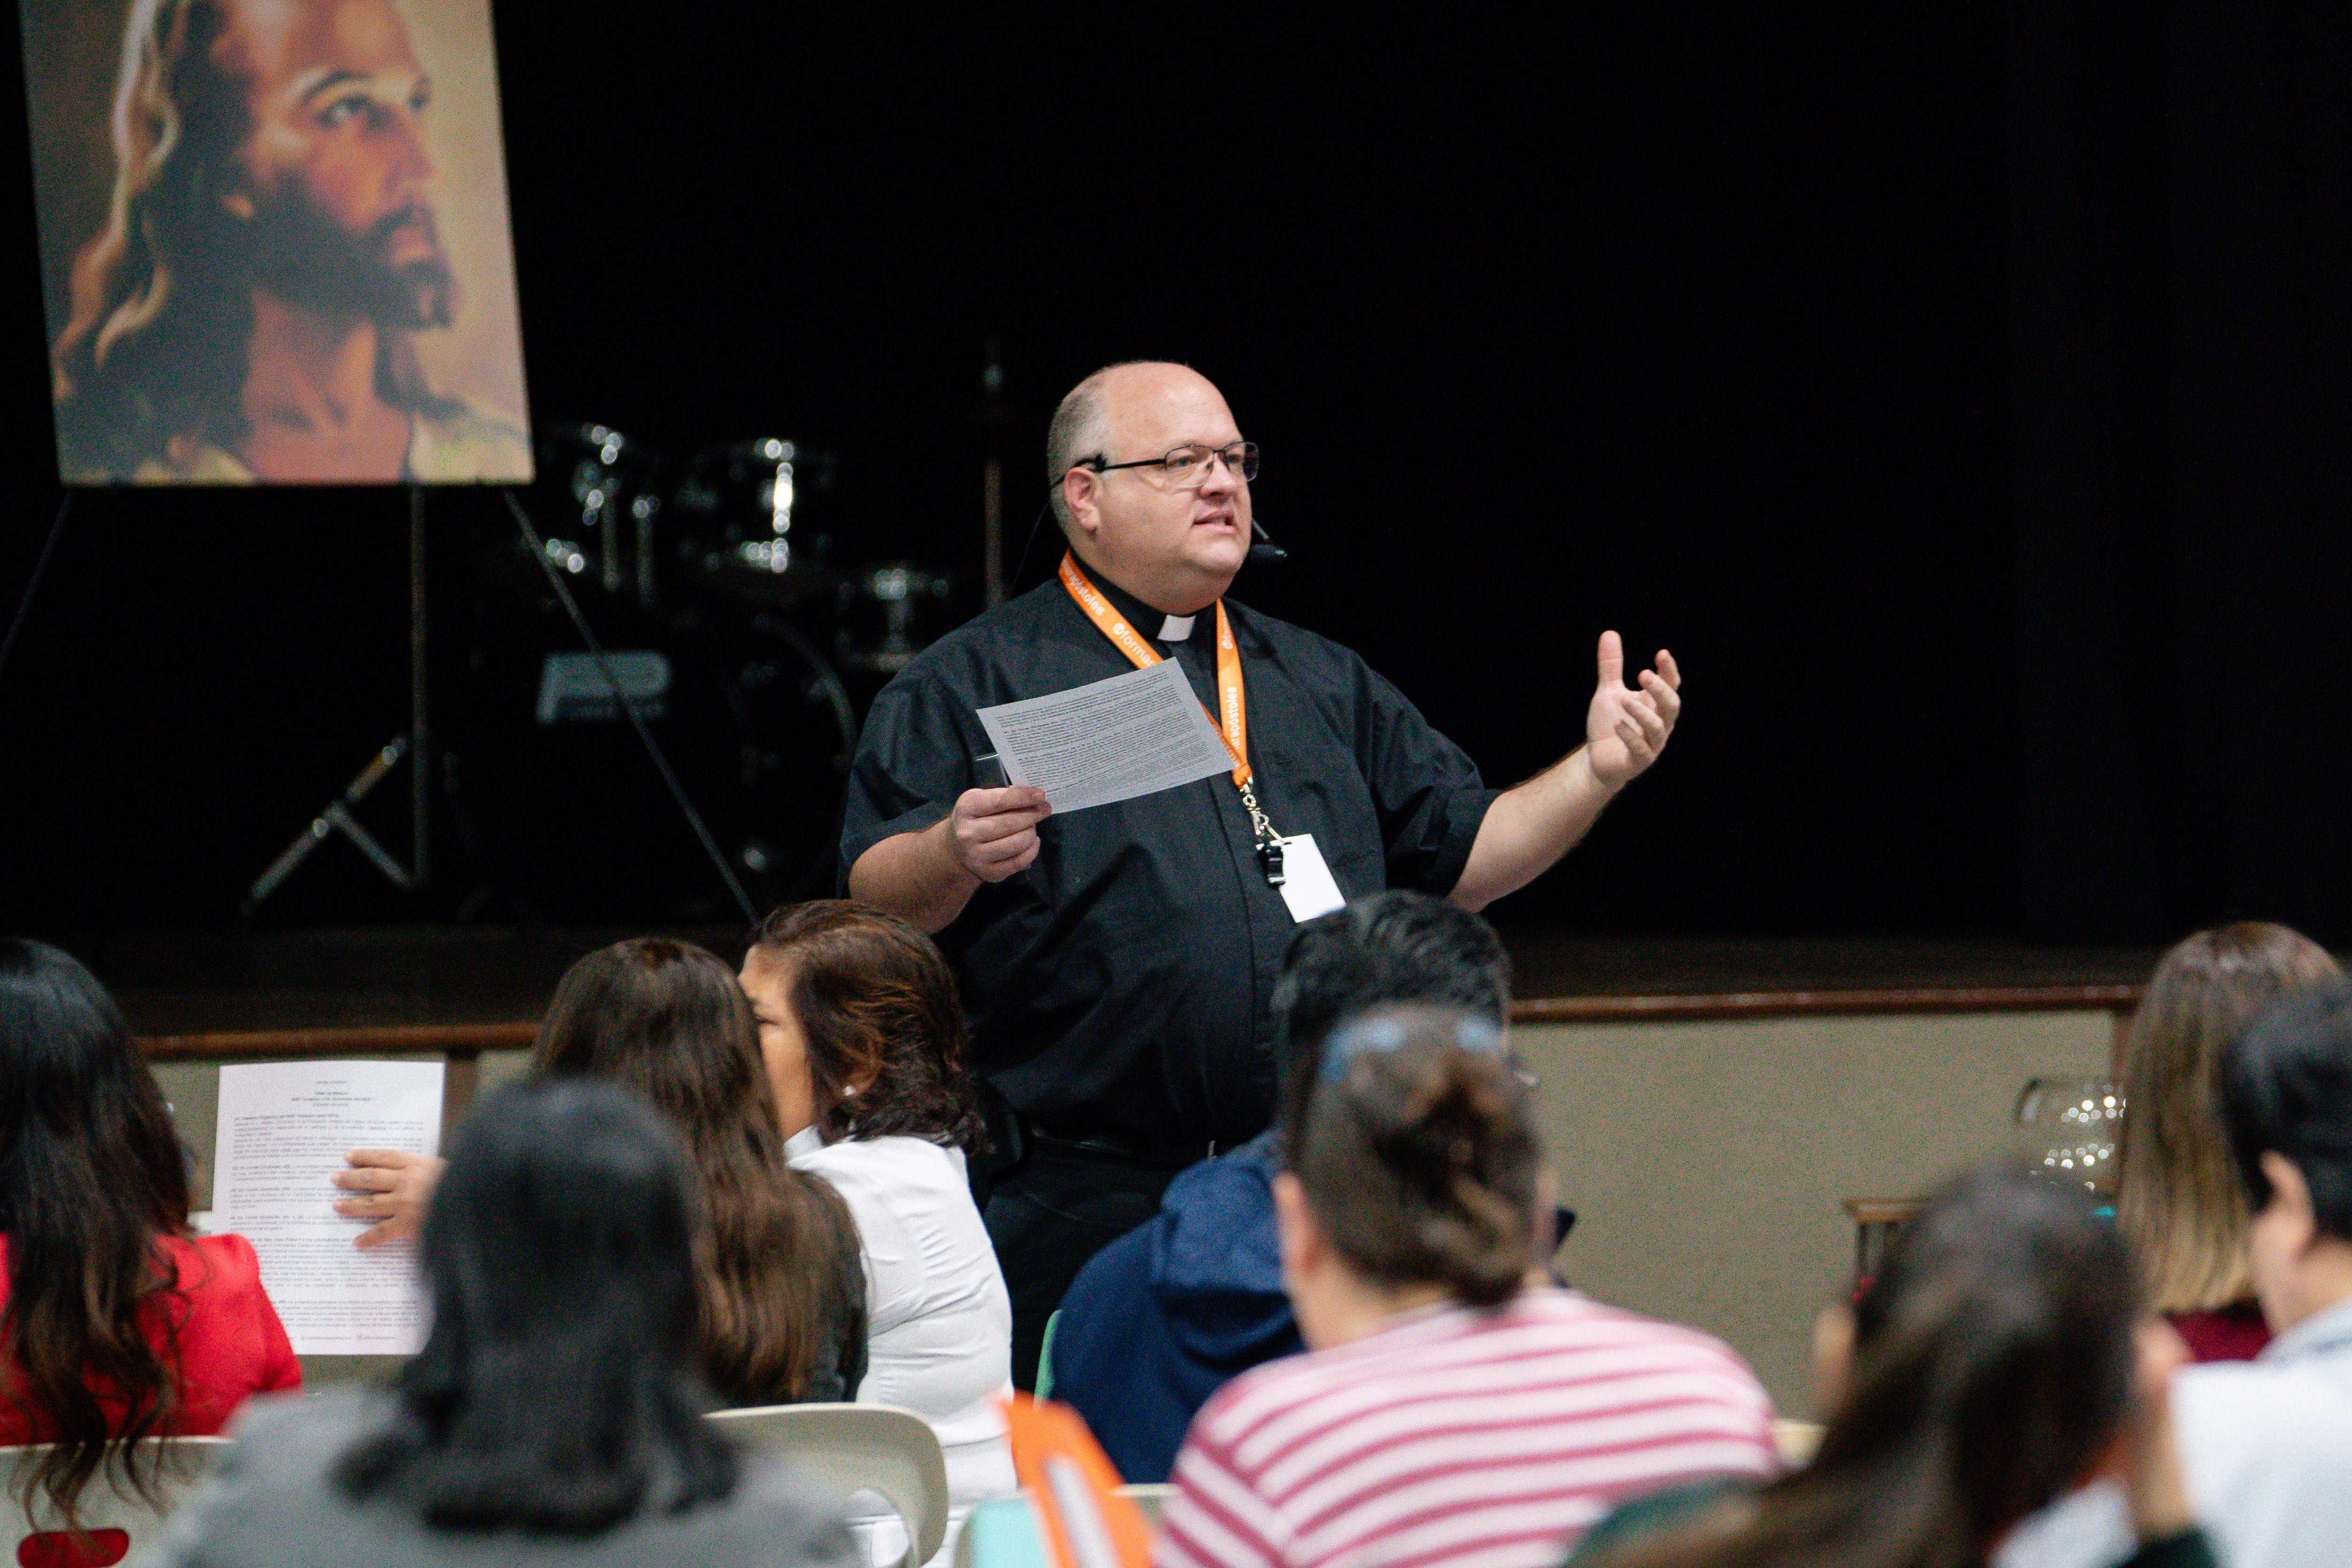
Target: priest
[{"x": 1118, "y": 963}]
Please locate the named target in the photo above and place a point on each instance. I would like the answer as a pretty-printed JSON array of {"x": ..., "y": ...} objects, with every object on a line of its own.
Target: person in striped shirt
[{"x": 1452, "y": 1407}]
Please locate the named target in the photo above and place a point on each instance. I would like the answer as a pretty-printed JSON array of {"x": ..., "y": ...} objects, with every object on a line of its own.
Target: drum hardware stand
[
  {"x": 33, "y": 584},
  {"x": 991, "y": 485},
  {"x": 336, "y": 817},
  {"x": 628, "y": 705}
]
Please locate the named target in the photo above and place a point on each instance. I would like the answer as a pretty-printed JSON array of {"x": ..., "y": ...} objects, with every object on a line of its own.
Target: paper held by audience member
[
  {"x": 1131, "y": 735},
  {"x": 284, "y": 1130}
]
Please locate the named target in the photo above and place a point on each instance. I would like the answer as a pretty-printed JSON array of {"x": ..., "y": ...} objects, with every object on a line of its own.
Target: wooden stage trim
[
  {"x": 224, "y": 1045},
  {"x": 1735, "y": 1005},
  {"x": 468, "y": 1039}
]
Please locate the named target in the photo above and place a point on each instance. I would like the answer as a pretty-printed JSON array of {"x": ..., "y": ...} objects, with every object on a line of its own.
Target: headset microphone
[
  {"x": 1265, "y": 549},
  {"x": 1264, "y": 552}
]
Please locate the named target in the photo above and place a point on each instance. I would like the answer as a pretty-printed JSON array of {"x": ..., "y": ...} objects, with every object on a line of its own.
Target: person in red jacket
[{"x": 115, "y": 1323}]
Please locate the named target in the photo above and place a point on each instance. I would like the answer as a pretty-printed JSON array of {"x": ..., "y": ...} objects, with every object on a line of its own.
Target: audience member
[
  {"x": 783, "y": 1297},
  {"x": 117, "y": 1325},
  {"x": 553, "y": 1415},
  {"x": 1449, "y": 1409},
  {"x": 2178, "y": 1198},
  {"x": 864, "y": 1040},
  {"x": 1165, "y": 1316},
  {"x": 2268, "y": 1442},
  {"x": 1994, "y": 1361}
]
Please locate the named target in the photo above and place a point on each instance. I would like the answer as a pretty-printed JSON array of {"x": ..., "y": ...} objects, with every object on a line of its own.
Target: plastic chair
[
  {"x": 1150, "y": 1496},
  {"x": 1002, "y": 1533},
  {"x": 1045, "y": 1356},
  {"x": 860, "y": 1447},
  {"x": 115, "y": 1522},
  {"x": 1797, "y": 1440}
]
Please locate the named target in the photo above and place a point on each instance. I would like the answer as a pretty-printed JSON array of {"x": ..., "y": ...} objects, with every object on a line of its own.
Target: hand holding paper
[
  {"x": 284, "y": 1130},
  {"x": 993, "y": 832},
  {"x": 394, "y": 1185},
  {"x": 1114, "y": 739}
]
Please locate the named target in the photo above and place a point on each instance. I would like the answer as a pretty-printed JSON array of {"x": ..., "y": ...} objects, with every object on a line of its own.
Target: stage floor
[{"x": 188, "y": 982}]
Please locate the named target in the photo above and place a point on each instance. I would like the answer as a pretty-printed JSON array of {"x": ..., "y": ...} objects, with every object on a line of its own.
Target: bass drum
[{"x": 568, "y": 817}]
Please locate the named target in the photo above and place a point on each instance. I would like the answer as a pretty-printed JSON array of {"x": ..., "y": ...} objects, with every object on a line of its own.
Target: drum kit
[{"x": 727, "y": 619}]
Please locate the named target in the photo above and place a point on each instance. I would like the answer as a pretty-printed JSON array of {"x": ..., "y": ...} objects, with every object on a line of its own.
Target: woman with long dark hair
[
  {"x": 117, "y": 1325},
  {"x": 554, "y": 1413},
  {"x": 782, "y": 1298},
  {"x": 862, "y": 1036},
  {"x": 1998, "y": 1362}
]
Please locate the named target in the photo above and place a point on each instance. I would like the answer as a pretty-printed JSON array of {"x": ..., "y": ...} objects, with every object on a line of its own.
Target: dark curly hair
[
  {"x": 1393, "y": 947},
  {"x": 877, "y": 1006}
]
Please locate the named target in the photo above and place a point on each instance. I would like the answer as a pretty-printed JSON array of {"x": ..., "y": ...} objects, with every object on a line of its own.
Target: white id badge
[{"x": 1307, "y": 884}]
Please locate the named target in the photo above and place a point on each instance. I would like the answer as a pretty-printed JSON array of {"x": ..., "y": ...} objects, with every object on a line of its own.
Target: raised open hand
[{"x": 1626, "y": 726}]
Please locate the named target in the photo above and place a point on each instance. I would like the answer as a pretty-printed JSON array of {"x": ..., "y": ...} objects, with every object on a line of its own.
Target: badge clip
[{"x": 1269, "y": 860}]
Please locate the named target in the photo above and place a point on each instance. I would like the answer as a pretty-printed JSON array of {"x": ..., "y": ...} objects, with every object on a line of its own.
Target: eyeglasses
[{"x": 1186, "y": 467}]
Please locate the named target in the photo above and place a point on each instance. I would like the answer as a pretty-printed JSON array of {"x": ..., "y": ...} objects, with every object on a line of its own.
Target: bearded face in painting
[{"x": 270, "y": 155}]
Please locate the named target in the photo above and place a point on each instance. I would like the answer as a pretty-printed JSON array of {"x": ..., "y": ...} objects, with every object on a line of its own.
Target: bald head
[
  {"x": 1174, "y": 547},
  {"x": 1113, "y": 402},
  {"x": 1081, "y": 429}
]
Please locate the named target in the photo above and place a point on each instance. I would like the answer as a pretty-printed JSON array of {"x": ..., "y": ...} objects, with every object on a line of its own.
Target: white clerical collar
[{"x": 1176, "y": 629}]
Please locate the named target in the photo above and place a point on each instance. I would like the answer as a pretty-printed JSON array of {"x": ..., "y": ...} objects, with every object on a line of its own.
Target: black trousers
[{"x": 1050, "y": 1213}]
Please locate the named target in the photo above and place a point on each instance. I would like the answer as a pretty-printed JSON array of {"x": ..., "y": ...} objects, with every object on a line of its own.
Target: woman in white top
[{"x": 863, "y": 1041}]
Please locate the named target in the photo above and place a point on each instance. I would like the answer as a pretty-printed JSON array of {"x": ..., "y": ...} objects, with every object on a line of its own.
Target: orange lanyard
[
  {"x": 1232, "y": 714},
  {"x": 1233, "y": 718}
]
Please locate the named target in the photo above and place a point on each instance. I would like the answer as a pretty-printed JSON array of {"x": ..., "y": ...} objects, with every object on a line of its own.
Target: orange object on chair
[{"x": 1075, "y": 1489}]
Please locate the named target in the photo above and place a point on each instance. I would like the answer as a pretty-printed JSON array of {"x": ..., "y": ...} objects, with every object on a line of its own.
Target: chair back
[
  {"x": 1045, "y": 1355},
  {"x": 860, "y": 1447},
  {"x": 1002, "y": 1532},
  {"x": 1151, "y": 1497},
  {"x": 114, "y": 1522}
]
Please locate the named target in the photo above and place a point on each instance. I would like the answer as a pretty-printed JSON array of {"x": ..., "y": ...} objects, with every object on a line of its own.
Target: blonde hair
[{"x": 2180, "y": 1202}]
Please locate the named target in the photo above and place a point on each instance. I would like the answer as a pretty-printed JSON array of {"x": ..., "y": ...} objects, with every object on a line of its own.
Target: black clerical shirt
[{"x": 1121, "y": 986}]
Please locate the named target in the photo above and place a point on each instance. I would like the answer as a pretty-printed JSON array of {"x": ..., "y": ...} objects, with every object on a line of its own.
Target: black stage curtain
[
  {"x": 2180, "y": 182},
  {"x": 1961, "y": 391}
]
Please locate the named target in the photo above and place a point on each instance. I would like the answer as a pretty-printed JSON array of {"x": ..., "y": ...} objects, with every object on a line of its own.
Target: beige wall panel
[{"x": 1706, "y": 1160}]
